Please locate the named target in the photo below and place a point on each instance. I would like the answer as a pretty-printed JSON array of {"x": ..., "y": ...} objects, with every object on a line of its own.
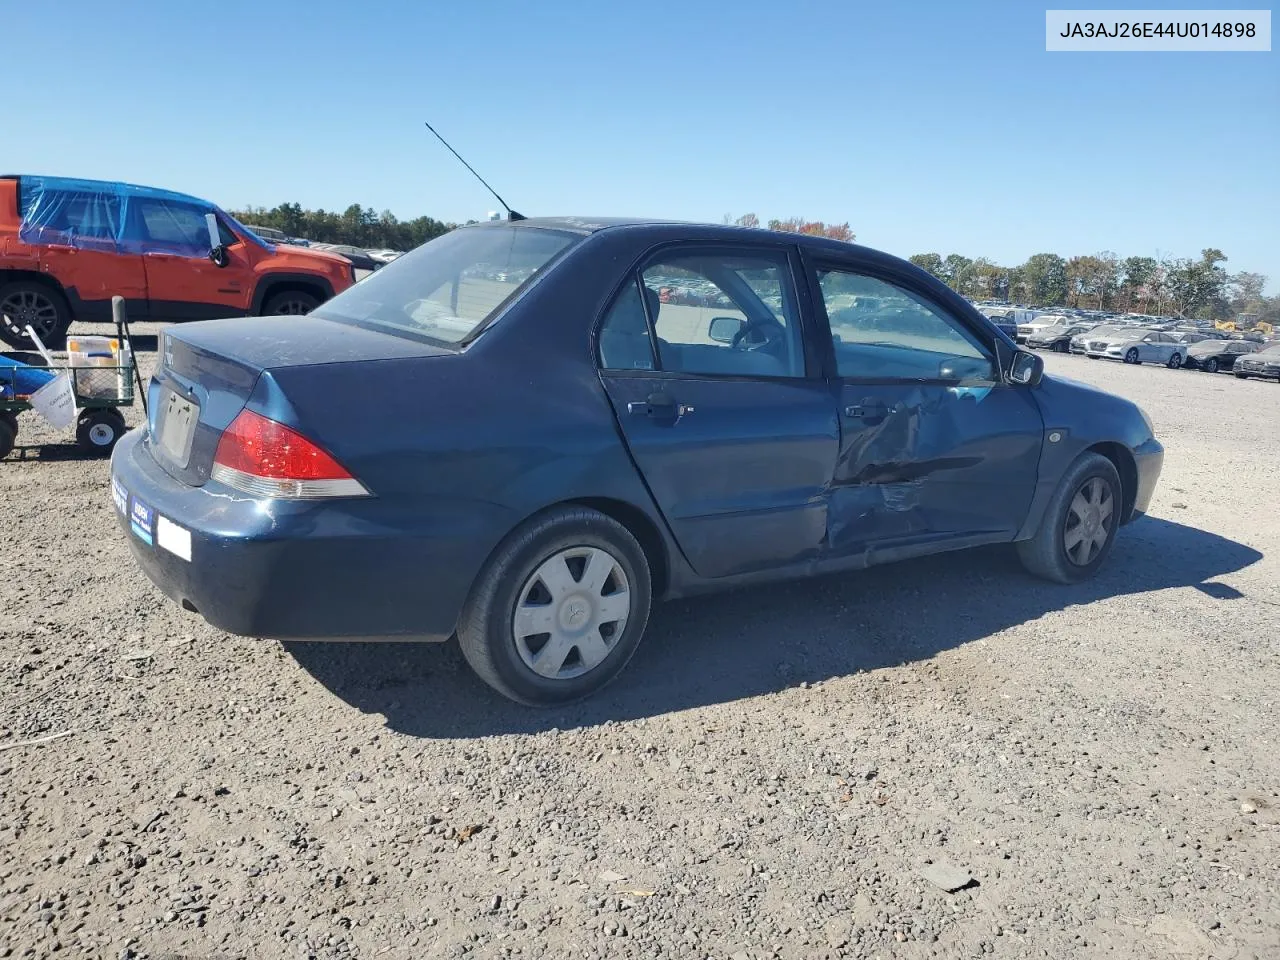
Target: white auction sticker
[
  {"x": 175, "y": 539},
  {"x": 1130, "y": 31}
]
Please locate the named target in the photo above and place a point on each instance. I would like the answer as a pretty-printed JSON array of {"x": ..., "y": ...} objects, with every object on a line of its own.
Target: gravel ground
[{"x": 774, "y": 775}]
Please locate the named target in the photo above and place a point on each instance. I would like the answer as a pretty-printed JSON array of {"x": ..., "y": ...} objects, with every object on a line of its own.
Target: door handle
[
  {"x": 659, "y": 406},
  {"x": 873, "y": 411}
]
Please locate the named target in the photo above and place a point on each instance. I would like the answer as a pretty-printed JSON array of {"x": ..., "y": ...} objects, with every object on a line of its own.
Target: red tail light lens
[{"x": 267, "y": 459}]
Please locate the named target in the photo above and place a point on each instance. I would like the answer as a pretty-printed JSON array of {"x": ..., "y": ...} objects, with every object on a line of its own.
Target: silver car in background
[{"x": 1137, "y": 345}]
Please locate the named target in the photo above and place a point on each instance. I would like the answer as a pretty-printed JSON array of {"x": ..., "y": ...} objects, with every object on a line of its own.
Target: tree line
[
  {"x": 358, "y": 226},
  {"x": 1197, "y": 287}
]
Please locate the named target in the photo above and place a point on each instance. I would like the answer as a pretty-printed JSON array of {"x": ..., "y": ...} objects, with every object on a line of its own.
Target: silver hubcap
[
  {"x": 1088, "y": 521},
  {"x": 572, "y": 611},
  {"x": 29, "y": 308},
  {"x": 101, "y": 434}
]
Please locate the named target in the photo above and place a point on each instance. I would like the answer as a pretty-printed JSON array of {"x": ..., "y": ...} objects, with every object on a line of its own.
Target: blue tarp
[{"x": 114, "y": 217}]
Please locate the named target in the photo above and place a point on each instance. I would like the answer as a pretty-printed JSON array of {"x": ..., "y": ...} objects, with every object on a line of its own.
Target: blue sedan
[{"x": 524, "y": 433}]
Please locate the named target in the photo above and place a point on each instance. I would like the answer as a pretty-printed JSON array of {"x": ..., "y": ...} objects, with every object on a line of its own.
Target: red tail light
[{"x": 267, "y": 459}]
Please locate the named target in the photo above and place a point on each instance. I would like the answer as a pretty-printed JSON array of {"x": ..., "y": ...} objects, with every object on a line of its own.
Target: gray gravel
[{"x": 791, "y": 771}]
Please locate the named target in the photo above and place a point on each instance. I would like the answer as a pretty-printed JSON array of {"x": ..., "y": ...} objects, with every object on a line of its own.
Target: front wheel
[
  {"x": 1211, "y": 365},
  {"x": 559, "y": 609},
  {"x": 1240, "y": 376},
  {"x": 290, "y": 303},
  {"x": 29, "y": 303},
  {"x": 1175, "y": 361},
  {"x": 1131, "y": 356},
  {"x": 98, "y": 430},
  {"x": 1060, "y": 348},
  {"x": 1079, "y": 525}
]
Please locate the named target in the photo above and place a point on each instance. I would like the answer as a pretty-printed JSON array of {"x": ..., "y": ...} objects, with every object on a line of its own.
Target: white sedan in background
[{"x": 1139, "y": 345}]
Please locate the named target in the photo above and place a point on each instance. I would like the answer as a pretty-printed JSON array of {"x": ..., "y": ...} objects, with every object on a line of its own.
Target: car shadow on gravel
[{"x": 755, "y": 641}]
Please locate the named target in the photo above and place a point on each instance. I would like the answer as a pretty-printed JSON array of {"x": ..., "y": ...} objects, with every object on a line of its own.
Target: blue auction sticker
[
  {"x": 120, "y": 495},
  {"x": 142, "y": 520}
]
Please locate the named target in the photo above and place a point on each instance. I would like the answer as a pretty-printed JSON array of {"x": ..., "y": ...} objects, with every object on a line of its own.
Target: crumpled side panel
[{"x": 111, "y": 217}]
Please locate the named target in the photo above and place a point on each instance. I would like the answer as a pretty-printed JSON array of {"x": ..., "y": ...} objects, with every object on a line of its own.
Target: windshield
[
  {"x": 450, "y": 287},
  {"x": 244, "y": 231}
]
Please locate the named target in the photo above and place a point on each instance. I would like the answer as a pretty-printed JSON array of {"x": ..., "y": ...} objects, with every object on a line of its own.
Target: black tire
[
  {"x": 1046, "y": 554},
  {"x": 98, "y": 430},
  {"x": 1240, "y": 376},
  {"x": 8, "y": 434},
  {"x": 290, "y": 303},
  {"x": 25, "y": 302},
  {"x": 1175, "y": 361},
  {"x": 1211, "y": 365},
  {"x": 1131, "y": 356},
  {"x": 486, "y": 628},
  {"x": 1060, "y": 348}
]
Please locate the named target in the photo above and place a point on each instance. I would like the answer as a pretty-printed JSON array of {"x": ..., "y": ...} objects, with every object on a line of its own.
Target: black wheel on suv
[
  {"x": 8, "y": 433},
  {"x": 26, "y": 303},
  {"x": 290, "y": 303}
]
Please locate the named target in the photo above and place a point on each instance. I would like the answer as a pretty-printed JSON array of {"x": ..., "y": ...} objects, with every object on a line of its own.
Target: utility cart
[{"x": 87, "y": 384}]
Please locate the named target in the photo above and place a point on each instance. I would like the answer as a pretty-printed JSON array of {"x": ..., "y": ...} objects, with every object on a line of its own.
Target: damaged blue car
[{"x": 524, "y": 433}]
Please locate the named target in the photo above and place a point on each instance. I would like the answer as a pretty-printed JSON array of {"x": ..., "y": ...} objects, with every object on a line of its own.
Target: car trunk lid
[{"x": 207, "y": 372}]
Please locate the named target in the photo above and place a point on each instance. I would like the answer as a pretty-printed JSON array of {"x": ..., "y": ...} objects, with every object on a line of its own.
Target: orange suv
[{"x": 67, "y": 246}]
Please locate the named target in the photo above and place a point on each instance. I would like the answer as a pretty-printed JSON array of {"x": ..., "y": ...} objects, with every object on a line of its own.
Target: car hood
[{"x": 301, "y": 256}]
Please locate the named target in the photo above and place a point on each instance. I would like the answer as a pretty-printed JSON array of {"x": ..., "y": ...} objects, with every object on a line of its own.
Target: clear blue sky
[{"x": 928, "y": 126}]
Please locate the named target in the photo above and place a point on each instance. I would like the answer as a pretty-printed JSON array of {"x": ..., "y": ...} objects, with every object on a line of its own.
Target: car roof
[{"x": 664, "y": 229}]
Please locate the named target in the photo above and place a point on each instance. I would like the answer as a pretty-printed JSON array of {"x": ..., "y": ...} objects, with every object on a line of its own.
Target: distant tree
[
  {"x": 1197, "y": 287},
  {"x": 358, "y": 226},
  {"x": 1137, "y": 276},
  {"x": 955, "y": 271},
  {"x": 1245, "y": 292},
  {"x": 814, "y": 228},
  {"x": 1045, "y": 276},
  {"x": 929, "y": 263},
  {"x": 748, "y": 220}
]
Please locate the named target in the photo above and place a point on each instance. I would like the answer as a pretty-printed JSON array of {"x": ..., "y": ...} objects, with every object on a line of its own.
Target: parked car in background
[
  {"x": 1264, "y": 363},
  {"x": 1002, "y": 318},
  {"x": 1137, "y": 345},
  {"x": 1189, "y": 337},
  {"x": 574, "y": 448},
  {"x": 68, "y": 246},
  {"x": 1079, "y": 342},
  {"x": 1214, "y": 355},
  {"x": 1057, "y": 338},
  {"x": 1029, "y": 328}
]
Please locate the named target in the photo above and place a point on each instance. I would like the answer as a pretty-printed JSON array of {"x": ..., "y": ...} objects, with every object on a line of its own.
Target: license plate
[
  {"x": 178, "y": 427},
  {"x": 141, "y": 520}
]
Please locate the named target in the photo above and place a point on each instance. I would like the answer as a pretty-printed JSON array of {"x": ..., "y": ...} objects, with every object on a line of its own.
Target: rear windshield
[{"x": 448, "y": 288}]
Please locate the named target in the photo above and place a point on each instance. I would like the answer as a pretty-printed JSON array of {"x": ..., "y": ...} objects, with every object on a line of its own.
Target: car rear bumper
[
  {"x": 1148, "y": 458},
  {"x": 341, "y": 569}
]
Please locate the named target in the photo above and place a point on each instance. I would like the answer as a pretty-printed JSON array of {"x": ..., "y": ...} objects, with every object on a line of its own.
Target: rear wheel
[
  {"x": 1079, "y": 525},
  {"x": 98, "y": 430},
  {"x": 26, "y": 303},
  {"x": 8, "y": 433},
  {"x": 1060, "y": 348},
  {"x": 1131, "y": 355},
  {"x": 1211, "y": 365},
  {"x": 290, "y": 303},
  {"x": 559, "y": 609},
  {"x": 1175, "y": 361}
]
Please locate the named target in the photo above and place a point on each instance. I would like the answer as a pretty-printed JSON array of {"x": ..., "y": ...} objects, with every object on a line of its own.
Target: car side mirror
[
  {"x": 217, "y": 252},
  {"x": 1026, "y": 369},
  {"x": 725, "y": 329}
]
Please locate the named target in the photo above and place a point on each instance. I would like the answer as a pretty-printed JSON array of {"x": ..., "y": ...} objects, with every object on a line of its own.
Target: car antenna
[{"x": 511, "y": 214}]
